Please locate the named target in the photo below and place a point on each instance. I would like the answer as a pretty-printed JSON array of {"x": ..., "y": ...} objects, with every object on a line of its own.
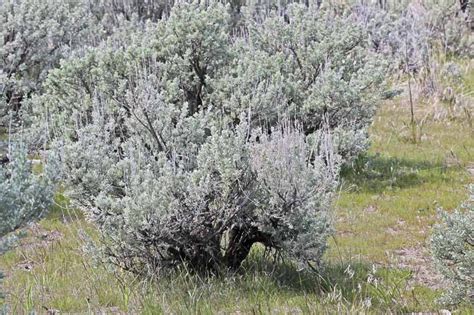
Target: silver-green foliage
[
  {"x": 317, "y": 69},
  {"x": 24, "y": 196},
  {"x": 453, "y": 251},
  {"x": 190, "y": 141},
  {"x": 316, "y": 65}
]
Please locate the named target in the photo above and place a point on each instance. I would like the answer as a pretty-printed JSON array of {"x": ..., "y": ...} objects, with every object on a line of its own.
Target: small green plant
[
  {"x": 453, "y": 250},
  {"x": 416, "y": 128},
  {"x": 24, "y": 196}
]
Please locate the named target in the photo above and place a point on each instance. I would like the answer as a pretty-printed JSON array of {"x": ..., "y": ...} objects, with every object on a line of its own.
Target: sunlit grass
[
  {"x": 62, "y": 277},
  {"x": 389, "y": 198}
]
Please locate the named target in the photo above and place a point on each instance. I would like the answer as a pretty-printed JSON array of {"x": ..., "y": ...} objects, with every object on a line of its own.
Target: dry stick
[{"x": 412, "y": 111}]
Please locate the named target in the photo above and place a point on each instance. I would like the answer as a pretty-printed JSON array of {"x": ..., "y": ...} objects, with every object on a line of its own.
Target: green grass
[
  {"x": 390, "y": 196},
  {"x": 387, "y": 204},
  {"x": 3, "y": 134},
  {"x": 63, "y": 277}
]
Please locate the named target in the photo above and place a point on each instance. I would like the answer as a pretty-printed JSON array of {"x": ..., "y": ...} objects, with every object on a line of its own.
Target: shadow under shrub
[{"x": 376, "y": 173}]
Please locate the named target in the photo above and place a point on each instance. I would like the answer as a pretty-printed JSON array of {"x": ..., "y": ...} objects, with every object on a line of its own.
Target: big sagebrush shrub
[
  {"x": 191, "y": 142},
  {"x": 452, "y": 244}
]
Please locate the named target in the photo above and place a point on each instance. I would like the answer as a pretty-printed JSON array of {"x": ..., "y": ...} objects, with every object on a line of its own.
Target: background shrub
[{"x": 34, "y": 36}]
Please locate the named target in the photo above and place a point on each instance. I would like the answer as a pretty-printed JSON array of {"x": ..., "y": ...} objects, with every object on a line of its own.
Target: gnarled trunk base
[{"x": 240, "y": 244}]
